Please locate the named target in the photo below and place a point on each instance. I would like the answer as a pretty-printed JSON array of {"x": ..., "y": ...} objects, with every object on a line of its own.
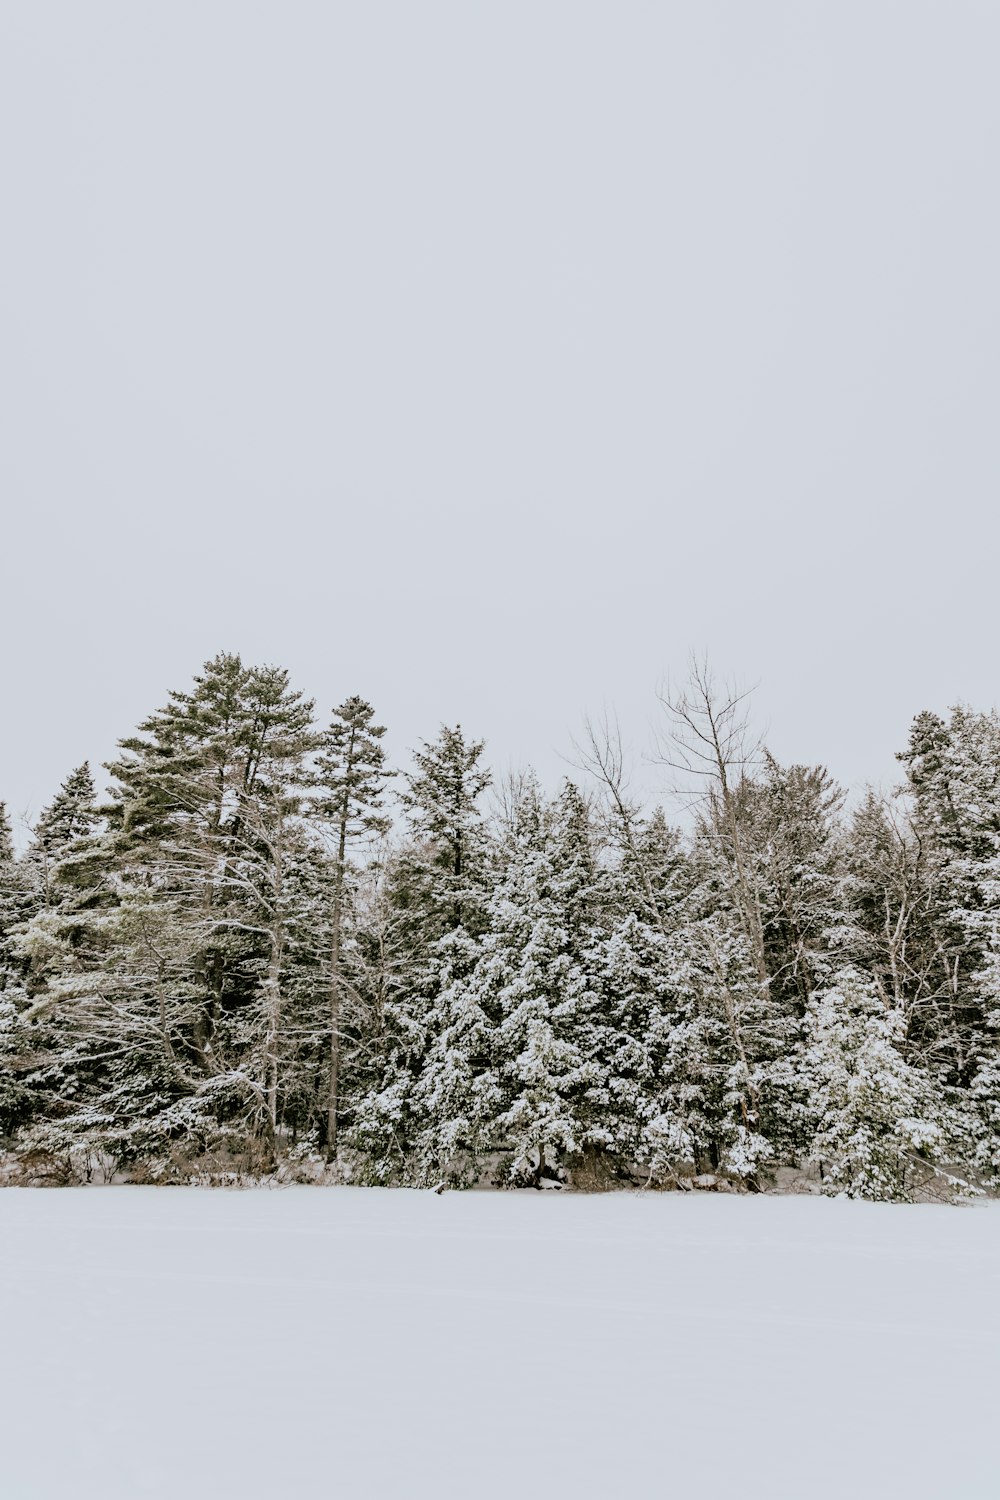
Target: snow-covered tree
[
  {"x": 174, "y": 978},
  {"x": 16, "y": 901},
  {"x": 441, "y": 797},
  {"x": 68, "y": 820},
  {"x": 18, "y": 896},
  {"x": 506, "y": 1068},
  {"x": 234, "y": 962},
  {"x": 352, "y": 776},
  {"x": 880, "y": 1125}
]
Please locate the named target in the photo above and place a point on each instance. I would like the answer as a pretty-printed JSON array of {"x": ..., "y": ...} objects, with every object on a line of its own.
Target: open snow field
[{"x": 358, "y": 1343}]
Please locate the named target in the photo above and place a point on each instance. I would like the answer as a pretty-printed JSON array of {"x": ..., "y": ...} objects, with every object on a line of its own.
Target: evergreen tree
[
  {"x": 71, "y": 817},
  {"x": 6, "y": 837},
  {"x": 15, "y": 902},
  {"x": 641, "y": 1111},
  {"x": 441, "y": 797},
  {"x": 232, "y": 963},
  {"x": 351, "y": 771},
  {"x": 433, "y": 889},
  {"x": 953, "y": 777},
  {"x": 67, "y": 862},
  {"x": 506, "y": 1070},
  {"x": 182, "y": 993},
  {"x": 17, "y": 1098},
  {"x": 879, "y": 1122}
]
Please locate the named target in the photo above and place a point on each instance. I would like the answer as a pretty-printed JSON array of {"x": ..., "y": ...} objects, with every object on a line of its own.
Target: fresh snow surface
[{"x": 310, "y": 1342}]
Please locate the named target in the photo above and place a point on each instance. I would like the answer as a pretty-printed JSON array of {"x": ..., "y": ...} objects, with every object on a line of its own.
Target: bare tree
[
  {"x": 601, "y": 753},
  {"x": 709, "y": 745},
  {"x": 508, "y": 793}
]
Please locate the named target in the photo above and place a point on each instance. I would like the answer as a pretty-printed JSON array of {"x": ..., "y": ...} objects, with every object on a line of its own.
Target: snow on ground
[{"x": 362, "y": 1343}]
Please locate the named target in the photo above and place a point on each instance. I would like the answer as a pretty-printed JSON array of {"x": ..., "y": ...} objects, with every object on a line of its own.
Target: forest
[{"x": 264, "y": 954}]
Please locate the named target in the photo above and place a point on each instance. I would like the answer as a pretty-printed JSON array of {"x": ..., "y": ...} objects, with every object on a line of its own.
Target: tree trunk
[
  {"x": 273, "y": 984},
  {"x": 273, "y": 1003},
  {"x": 335, "y": 943}
]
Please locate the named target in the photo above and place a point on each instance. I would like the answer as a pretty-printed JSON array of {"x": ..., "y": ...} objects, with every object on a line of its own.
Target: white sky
[{"x": 484, "y": 359}]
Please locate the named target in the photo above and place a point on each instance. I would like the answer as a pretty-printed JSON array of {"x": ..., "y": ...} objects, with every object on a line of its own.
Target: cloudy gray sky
[{"x": 485, "y": 359}]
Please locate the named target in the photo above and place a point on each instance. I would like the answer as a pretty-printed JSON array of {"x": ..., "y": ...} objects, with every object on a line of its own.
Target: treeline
[{"x": 266, "y": 952}]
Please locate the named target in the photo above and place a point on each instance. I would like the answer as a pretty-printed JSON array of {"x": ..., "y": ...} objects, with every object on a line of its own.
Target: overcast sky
[{"x": 486, "y": 358}]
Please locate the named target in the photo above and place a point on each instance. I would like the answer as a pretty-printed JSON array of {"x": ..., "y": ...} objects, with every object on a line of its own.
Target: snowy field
[{"x": 356, "y": 1343}]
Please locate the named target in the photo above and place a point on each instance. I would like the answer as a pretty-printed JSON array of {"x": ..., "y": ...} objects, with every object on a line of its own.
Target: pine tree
[
  {"x": 67, "y": 862},
  {"x": 69, "y": 816},
  {"x": 14, "y": 902},
  {"x": 433, "y": 888},
  {"x": 635, "y": 1115},
  {"x": 506, "y": 1070},
  {"x": 351, "y": 771},
  {"x": 953, "y": 777},
  {"x": 793, "y": 812},
  {"x": 953, "y": 773},
  {"x": 441, "y": 797},
  {"x": 207, "y": 976},
  {"x": 183, "y": 996},
  {"x": 548, "y": 909},
  {"x": 270, "y": 837},
  {"x": 6, "y": 837},
  {"x": 880, "y": 1125},
  {"x": 17, "y": 897}
]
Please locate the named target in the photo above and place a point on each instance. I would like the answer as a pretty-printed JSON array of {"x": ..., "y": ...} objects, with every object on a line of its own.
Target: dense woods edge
[{"x": 264, "y": 955}]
